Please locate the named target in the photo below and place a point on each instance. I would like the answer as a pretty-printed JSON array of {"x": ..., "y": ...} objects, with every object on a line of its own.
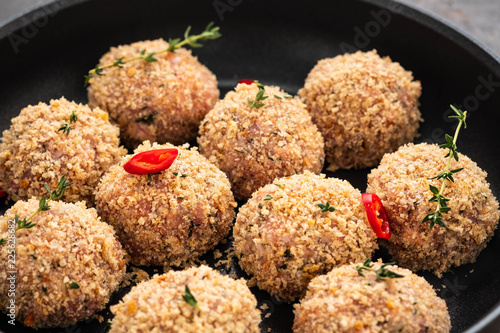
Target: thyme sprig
[
  {"x": 326, "y": 207},
  {"x": 211, "y": 32},
  {"x": 73, "y": 117},
  {"x": 382, "y": 273},
  {"x": 189, "y": 298},
  {"x": 259, "y": 97},
  {"x": 43, "y": 205},
  {"x": 447, "y": 175},
  {"x": 65, "y": 127}
]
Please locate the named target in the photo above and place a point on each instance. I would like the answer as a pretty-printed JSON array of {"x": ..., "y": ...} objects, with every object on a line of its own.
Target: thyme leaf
[
  {"x": 65, "y": 128},
  {"x": 74, "y": 285},
  {"x": 326, "y": 207},
  {"x": 43, "y": 204},
  {"x": 259, "y": 97},
  {"x": 73, "y": 117},
  {"x": 382, "y": 273},
  {"x": 189, "y": 298}
]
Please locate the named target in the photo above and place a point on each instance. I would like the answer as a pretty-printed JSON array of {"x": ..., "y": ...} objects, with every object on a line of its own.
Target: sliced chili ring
[
  {"x": 377, "y": 216},
  {"x": 246, "y": 81},
  {"x": 152, "y": 161}
]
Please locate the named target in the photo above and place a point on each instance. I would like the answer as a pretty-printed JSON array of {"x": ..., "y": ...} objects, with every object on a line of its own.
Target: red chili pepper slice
[
  {"x": 152, "y": 161},
  {"x": 245, "y": 81},
  {"x": 3, "y": 193},
  {"x": 377, "y": 216}
]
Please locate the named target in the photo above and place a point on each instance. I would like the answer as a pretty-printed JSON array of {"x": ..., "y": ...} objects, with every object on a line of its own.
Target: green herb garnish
[
  {"x": 268, "y": 197},
  {"x": 43, "y": 205},
  {"x": 74, "y": 285},
  {"x": 211, "y": 32},
  {"x": 108, "y": 325},
  {"x": 65, "y": 128},
  {"x": 259, "y": 97},
  {"x": 73, "y": 117},
  {"x": 447, "y": 175},
  {"x": 150, "y": 178},
  {"x": 326, "y": 207},
  {"x": 189, "y": 298},
  {"x": 183, "y": 175},
  {"x": 382, "y": 273}
]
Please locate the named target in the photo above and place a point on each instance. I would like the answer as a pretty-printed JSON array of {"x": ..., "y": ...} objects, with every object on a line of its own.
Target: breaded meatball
[
  {"x": 161, "y": 101},
  {"x": 300, "y": 227},
  {"x": 34, "y": 151},
  {"x": 67, "y": 265},
  {"x": 344, "y": 301},
  {"x": 402, "y": 182},
  {"x": 168, "y": 218},
  {"x": 254, "y": 145},
  {"x": 222, "y": 304},
  {"x": 363, "y": 105}
]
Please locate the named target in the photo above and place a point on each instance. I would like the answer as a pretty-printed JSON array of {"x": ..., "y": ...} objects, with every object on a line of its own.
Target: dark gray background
[{"x": 479, "y": 18}]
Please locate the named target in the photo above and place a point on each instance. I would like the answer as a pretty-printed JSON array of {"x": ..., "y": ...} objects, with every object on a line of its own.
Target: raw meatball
[
  {"x": 253, "y": 145},
  {"x": 363, "y": 105},
  {"x": 169, "y": 218},
  {"x": 344, "y": 301},
  {"x": 33, "y": 152},
  {"x": 68, "y": 264},
  {"x": 402, "y": 183},
  {"x": 162, "y": 101},
  {"x": 284, "y": 238},
  {"x": 222, "y": 304}
]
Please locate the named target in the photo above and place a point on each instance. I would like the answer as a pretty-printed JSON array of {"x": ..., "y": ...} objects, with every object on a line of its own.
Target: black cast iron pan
[{"x": 45, "y": 53}]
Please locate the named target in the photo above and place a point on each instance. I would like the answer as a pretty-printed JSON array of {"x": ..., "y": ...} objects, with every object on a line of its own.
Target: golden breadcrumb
[
  {"x": 344, "y": 301},
  {"x": 69, "y": 244},
  {"x": 363, "y": 105},
  {"x": 170, "y": 218},
  {"x": 161, "y": 101},
  {"x": 222, "y": 304},
  {"x": 284, "y": 239},
  {"x": 253, "y": 146},
  {"x": 402, "y": 183},
  {"x": 33, "y": 152}
]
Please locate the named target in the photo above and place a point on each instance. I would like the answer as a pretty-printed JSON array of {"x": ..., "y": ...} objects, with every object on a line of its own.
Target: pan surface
[{"x": 45, "y": 53}]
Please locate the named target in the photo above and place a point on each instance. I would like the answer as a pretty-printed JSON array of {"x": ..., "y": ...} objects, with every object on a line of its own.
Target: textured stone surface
[{"x": 479, "y": 18}]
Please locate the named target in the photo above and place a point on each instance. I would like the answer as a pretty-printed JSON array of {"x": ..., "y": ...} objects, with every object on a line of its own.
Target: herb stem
[
  {"x": 210, "y": 32},
  {"x": 442, "y": 205}
]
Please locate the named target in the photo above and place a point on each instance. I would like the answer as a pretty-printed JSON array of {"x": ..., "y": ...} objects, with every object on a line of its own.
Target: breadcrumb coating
[
  {"x": 402, "y": 183},
  {"x": 224, "y": 304},
  {"x": 253, "y": 146},
  {"x": 33, "y": 152},
  {"x": 170, "y": 218},
  {"x": 344, "y": 301},
  {"x": 68, "y": 244},
  {"x": 161, "y": 101},
  {"x": 284, "y": 239},
  {"x": 364, "y": 106}
]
